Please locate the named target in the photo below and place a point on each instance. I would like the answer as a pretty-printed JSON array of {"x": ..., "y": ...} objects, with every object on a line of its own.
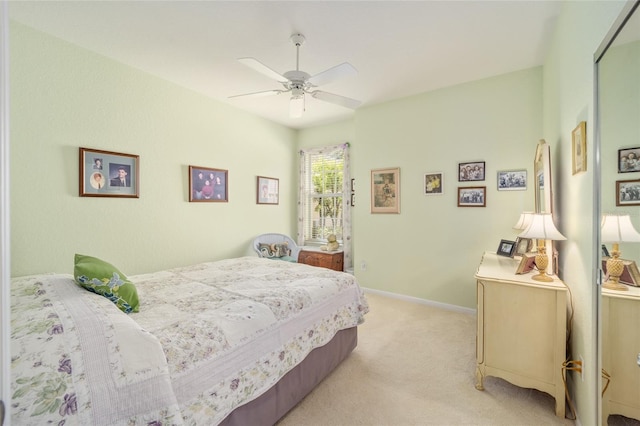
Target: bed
[{"x": 237, "y": 341}]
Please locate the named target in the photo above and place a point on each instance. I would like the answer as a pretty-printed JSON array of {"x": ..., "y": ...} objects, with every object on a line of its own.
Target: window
[{"x": 323, "y": 173}]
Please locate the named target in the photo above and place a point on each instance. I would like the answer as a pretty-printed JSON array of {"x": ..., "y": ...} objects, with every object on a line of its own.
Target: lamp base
[
  {"x": 542, "y": 277},
  {"x": 613, "y": 285}
]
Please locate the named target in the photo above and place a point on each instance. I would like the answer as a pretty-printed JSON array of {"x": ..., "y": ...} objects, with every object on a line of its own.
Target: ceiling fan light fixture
[{"x": 296, "y": 105}]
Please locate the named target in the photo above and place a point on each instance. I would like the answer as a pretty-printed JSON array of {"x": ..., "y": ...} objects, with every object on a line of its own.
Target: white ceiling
[{"x": 400, "y": 48}]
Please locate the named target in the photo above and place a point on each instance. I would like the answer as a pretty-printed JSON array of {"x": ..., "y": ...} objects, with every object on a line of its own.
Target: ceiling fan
[{"x": 299, "y": 83}]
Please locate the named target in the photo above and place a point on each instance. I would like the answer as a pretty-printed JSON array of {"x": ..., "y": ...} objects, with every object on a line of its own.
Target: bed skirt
[{"x": 269, "y": 407}]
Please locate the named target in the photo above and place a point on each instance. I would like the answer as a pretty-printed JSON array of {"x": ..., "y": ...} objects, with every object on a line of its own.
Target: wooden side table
[
  {"x": 326, "y": 259},
  {"x": 522, "y": 328}
]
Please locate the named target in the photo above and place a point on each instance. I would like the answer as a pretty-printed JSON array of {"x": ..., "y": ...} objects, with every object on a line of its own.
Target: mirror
[
  {"x": 542, "y": 192},
  {"x": 617, "y": 133},
  {"x": 542, "y": 173}
]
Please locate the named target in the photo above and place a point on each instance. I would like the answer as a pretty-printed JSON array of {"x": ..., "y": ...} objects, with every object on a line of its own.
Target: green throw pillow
[{"x": 106, "y": 280}]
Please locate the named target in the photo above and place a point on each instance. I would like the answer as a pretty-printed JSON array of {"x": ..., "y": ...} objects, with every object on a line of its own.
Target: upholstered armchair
[{"x": 276, "y": 246}]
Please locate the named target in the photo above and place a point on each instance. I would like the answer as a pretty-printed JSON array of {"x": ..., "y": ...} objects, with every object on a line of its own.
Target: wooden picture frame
[
  {"x": 267, "y": 190},
  {"x": 628, "y": 192},
  {"x": 512, "y": 180},
  {"x": 506, "y": 248},
  {"x": 434, "y": 183},
  {"x": 579, "y": 148},
  {"x": 108, "y": 174},
  {"x": 472, "y": 196},
  {"x": 207, "y": 185},
  {"x": 385, "y": 190},
  {"x": 629, "y": 160},
  {"x": 471, "y": 171}
]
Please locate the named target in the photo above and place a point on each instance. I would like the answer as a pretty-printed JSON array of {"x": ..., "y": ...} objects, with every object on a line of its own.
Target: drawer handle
[{"x": 638, "y": 360}]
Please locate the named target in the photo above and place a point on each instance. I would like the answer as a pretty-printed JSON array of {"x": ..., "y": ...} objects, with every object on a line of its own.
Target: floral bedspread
[
  {"x": 208, "y": 338},
  {"x": 76, "y": 359}
]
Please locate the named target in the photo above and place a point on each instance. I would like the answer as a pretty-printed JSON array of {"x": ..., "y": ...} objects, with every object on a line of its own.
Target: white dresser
[
  {"x": 522, "y": 328},
  {"x": 620, "y": 315}
]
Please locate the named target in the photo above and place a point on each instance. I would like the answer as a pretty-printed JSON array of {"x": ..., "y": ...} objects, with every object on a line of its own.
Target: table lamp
[
  {"x": 616, "y": 229},
  {"x": 542, "y": 229},
  {"x": 524, "y": 221}
]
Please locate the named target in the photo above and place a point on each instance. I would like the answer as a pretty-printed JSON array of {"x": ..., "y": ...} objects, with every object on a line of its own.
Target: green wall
[
  {"x": 432, "y": 248},
  {"x": 64, "y": 97}
]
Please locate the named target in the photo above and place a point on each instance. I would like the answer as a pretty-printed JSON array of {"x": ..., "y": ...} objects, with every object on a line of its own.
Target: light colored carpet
[{"x": 415, "y": 365}]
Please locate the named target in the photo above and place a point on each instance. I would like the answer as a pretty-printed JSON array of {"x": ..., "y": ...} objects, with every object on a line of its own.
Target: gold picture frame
[
  {"x": 579, "y": 148},
  {"x": 207, "y": 185},
  {"x": 268, "y": 190},
  {"x": 385, "y": 190}
]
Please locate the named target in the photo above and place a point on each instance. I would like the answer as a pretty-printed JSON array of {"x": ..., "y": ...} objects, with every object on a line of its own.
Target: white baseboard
[{"x": 412, "y": 299}]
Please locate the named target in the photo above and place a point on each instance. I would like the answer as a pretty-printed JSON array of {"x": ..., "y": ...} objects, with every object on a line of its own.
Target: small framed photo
[
  {"x": 512, "y": 180},
  {"x": 268, "y": 191},
  {"x": 109, "y": 174},
  {"x": 506, "y": 248},
  {"x": 579, "y": 148},
  {"x": 523, "y": 245},
  {"x": 208, "y": 185},
  {"x": 385, "y": 190},
  {"x": 471, "y": 171},
  {"x": 629, "y": 160},
  {"x": 472, "y": 196},
  {"x": 433, "y": 183},
  {"x": 628, "y": 192}
]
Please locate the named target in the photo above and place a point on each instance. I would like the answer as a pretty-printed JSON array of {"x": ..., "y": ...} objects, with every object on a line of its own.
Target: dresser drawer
[{"x": 331, "y": 260}]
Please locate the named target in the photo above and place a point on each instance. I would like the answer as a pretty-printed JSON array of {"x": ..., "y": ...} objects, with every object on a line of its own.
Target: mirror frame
[
  {"x": 597, "y": 275},
  {"x": 544, "y": 193}
]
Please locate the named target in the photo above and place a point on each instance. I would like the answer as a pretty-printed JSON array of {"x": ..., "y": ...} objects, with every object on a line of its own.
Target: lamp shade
[
  {"x": 524, "y": 221},
  {"x": 542, "y": 228},
  {"x": 617, "y": 229}
]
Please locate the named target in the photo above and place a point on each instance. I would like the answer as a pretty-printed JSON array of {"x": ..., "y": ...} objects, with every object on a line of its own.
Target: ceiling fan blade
[
  {"x": 343, "y": 70},
  {"x": 259, "y": 94},
  {"x": 335, "y": 99},
  {"x": 263, "y": 69}
]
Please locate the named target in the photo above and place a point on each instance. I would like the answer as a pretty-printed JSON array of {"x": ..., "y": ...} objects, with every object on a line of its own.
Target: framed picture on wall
[
  {"x": 433, "y": 183},
  {"x": 108, "y": 174},
  {"x": 579, "y": 148},
  {"x": 629, "y": 160},
  {"x": 628, "y": 192},
  {"x": 268, "y": 190},
  {"x": 208, "y": 185},
  {"x": 472, "y": 196},
  {"x": 512, "y": 180},
  {"x": 385, "y": 190},
  {"x": 473, "y": 171}
]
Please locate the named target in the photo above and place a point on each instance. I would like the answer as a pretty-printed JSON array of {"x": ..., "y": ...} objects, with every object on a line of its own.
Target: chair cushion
[{"x": 277, "y": 250}]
